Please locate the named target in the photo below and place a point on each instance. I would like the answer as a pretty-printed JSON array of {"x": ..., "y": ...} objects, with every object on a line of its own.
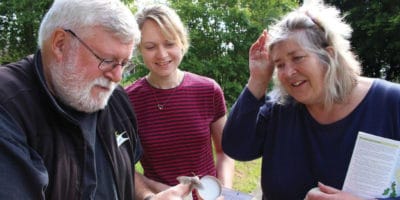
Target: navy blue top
[{"x": 296, "y": 150}]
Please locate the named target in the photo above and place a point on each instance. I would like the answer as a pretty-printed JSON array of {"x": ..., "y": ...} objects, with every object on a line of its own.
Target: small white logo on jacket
[{"x": 120, "y": 138}]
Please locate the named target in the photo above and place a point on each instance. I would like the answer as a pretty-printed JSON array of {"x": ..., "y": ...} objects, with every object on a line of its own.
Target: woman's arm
[{"x": 225, "y": 165}]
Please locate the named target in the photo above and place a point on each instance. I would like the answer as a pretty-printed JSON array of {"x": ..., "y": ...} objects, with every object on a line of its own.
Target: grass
[{"x": 247, "y": 175}]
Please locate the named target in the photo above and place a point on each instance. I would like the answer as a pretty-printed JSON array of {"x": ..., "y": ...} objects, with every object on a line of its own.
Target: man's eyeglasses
[{"x": 105, "y": 65}]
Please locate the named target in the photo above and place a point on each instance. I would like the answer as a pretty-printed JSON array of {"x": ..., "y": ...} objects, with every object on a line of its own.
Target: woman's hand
[
  {"x": 261, "y": 68},
  {"x": 324, "y": 192}
]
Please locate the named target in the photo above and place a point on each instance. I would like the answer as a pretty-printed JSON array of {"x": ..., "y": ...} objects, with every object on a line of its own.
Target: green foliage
[
  {"x": 221, "y": 34},
  {"x": 376, "y": 27},
  {"x": 19, "y": 22},
  {"x": 222, "y": 31},
  {"x": 19, "y": 25}
]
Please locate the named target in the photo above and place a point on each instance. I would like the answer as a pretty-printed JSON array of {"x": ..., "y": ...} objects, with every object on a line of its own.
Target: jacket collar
[{"x": 44, "y": 87}]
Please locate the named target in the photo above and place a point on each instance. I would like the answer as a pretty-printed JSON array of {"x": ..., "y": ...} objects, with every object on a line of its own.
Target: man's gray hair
[{"x": 112, "y": 15}]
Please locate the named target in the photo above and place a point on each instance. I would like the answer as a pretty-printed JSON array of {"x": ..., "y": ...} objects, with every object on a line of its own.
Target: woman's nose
[
  {"x": 162, "y": 52},
  {"x": 290, "y": 70}
]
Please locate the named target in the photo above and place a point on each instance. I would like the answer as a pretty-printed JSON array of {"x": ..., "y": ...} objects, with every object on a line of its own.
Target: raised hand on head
[{"x": 261, "y": 68}]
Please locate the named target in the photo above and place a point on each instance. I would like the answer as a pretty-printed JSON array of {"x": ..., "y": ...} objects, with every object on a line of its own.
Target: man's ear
[{"x": 57, "y": 43}]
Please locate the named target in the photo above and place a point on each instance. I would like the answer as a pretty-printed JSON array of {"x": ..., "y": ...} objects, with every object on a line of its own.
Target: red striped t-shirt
[{"x": 176, "y": 140}]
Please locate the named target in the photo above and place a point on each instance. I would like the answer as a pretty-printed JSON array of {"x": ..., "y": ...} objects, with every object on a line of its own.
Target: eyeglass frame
[{"x": 104, "y": 65}]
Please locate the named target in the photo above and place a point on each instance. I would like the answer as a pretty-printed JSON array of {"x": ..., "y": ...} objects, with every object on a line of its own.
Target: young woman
[{"x": 180, "y": 114}]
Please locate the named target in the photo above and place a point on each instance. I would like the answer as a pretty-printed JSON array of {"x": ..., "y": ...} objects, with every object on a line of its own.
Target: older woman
[{"x": 306, "y": 131}]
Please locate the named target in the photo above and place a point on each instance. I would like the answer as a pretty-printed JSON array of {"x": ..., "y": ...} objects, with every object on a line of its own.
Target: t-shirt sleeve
[{"x": 218, "y": 102}]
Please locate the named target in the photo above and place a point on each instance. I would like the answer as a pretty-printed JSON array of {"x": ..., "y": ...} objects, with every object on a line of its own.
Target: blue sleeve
[
  {"x": 22, "y": 172},
  {"x": 240, "y": 139}
]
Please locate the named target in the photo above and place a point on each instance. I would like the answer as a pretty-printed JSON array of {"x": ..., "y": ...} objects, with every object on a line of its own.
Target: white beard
[{"x": 71, "y": 87}]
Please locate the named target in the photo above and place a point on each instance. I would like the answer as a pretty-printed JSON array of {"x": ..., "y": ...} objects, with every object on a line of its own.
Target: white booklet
[{"x": 374, "y": 170}]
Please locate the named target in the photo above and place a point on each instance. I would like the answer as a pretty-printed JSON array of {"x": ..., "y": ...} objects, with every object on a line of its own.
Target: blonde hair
[
  {"x": 169, "y": 22},
  {"x": 317, "y": 27}
]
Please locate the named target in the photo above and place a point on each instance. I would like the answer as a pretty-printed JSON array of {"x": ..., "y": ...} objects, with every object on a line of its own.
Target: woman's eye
[
  {"x": 298, "y": 58},
  {"x": 170, "y": 44}
]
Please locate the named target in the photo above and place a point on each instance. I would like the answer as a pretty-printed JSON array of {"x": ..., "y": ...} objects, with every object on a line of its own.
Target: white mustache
[{"x": 103, "y": 82}]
